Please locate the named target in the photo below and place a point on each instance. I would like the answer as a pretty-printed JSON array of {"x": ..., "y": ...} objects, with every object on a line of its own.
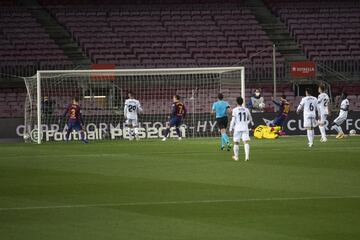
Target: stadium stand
[
  {"x": 327, "y": 31},
  {"x": 159, "y": 36},
  {"x": 24, "y": 43}
]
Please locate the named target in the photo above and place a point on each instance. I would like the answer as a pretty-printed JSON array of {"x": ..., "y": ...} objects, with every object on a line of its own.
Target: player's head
[
  {"x": 308, "y": 92},
  {"x": 220, "y": 96},
  {"x": 130, "y": 94},
  {"x": 176, "y": 98},
  {"x": 75, "y": 100},
  {"x": 257, "y": 92},
  {"x": 321, "y": 88},
  {"x": 283, "y": 97},
  {"x": 344, "y": 95},
  {"x": 239, "y": 101}
]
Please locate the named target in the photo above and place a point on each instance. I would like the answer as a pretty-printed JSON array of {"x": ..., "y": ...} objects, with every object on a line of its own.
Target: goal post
[{"x": 102, "y": 94}]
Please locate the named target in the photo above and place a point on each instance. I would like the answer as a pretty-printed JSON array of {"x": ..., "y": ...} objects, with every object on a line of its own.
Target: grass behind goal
[{"x": 180, "y": 190}]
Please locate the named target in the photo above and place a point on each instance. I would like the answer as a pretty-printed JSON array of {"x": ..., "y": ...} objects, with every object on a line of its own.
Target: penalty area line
[{"x": 160, "y": 203}]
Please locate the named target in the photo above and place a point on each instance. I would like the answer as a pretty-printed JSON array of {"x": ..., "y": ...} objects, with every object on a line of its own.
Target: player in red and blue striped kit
[
  {"x": 280, "y": 120},
  {"x": 74, "y": 120},
  {"x": 177, "y": 114}
]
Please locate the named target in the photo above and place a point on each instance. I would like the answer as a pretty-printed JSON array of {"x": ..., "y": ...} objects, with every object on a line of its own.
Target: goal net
[{"x": 102, "y": 94}]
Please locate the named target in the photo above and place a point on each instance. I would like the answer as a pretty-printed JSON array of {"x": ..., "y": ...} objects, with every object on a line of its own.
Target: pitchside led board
[{"x": 303, "y": 69}]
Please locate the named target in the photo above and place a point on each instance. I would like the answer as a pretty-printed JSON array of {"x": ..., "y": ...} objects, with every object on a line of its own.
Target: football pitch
[{"x": 180, "y": 190}]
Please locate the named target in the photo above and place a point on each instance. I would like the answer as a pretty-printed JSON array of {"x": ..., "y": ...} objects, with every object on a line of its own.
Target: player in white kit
[
  {"x": 131, "y": 110},
  {"x": 323, "y": 104},
  {"x": 309, "y": 107},
  {"x": 241, "y": 118},
  {"x": 344, "y": 108}
]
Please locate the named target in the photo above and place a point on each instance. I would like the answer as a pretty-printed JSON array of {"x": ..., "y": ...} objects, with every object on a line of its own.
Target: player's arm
[
  {"x": 213, "y": 108},
  {"x": 64, "y": 114},
  {"x": 184, "y": 111},
  {"x": 125, "y": 110},
  {"x": 228, "y": 109},
  {"x": 251, "y": 121},
  {"x": 232, "y": 123},
  {"x": 81, "y": 120},
  {"x": 139, "y": 108},
  {"x": 300, "y": 107}
]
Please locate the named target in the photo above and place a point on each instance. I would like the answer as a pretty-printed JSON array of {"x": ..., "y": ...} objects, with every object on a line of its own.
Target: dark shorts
[
  {"x": 74, "y": 126},
  {"x": 279, "y": 121},
  {"x": 175, "y": 122},
  {"x": 222, "y": 122}
]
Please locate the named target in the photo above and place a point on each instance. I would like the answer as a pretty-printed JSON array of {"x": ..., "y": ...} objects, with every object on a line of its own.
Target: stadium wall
[{"x": 12, "y": 128}]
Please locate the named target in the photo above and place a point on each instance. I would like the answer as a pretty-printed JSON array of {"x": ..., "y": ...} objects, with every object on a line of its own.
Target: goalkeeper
[
  {"x": 74, "y": 120},
  {"x": 266, "y": 132}
]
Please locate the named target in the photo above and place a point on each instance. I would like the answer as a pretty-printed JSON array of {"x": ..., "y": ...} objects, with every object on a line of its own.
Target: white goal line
[{"x": 177, "y": 202}]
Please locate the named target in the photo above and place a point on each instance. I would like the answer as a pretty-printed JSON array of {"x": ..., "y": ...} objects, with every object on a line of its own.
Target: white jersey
[
  {"x": 309, "y": 106},
  {"x": 323, "y": 102},
  {"x": 241, "y": 118},
  {"x": 344, "y": 107},
  {"x": 132, "y": 108}
]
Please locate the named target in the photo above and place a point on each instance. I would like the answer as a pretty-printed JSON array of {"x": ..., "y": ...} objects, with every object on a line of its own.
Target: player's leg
[
  {"x": 337, "y": 127},
  {"x": 236, "y": 139},
  {"x": 81, "y": 132},
  {"x": 221, "y": 128},
  {"x": 136, "y": 129},
  {"x": 310, "y": 135},
  {"x": 322, "y": 127},
  {"x": 309, "y": 125},
  {"x": 225, "y": 139},
  {"x": 69, "y": 130},
  {"x": 170, "y": 124},
  {"x": 131, "y": 129},
  {"x": 246, "y": 140},
  {"x": 177, "y": 129}
]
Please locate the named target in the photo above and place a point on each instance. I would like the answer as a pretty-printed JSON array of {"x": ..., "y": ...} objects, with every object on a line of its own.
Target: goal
[{"x": 102, "y": 94}]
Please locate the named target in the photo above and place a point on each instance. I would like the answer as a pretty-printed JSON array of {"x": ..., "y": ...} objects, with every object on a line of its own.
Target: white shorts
[
  {"x": 132, "y": 122},
  {"x": 323, "y": 118},
  {"x": 340, "y": 119},
  {"x": 310, "y": 122},
  {"x": 241, "y": 135}
]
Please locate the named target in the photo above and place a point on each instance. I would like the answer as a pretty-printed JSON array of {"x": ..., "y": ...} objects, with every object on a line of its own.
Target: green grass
[{"x": 180, "y": 190}]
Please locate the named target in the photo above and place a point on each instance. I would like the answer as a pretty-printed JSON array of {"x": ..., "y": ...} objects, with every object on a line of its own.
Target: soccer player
[
  {"x": 323, "y": 102},
  {"x": 284, "y": 108},
  {"x": 241, "y": 118},
  {"x": 221, "y": 109},
  {"x": 74, "y": 121},
  {"x": 309, "y": 107},
  {"x": 344, "y": 108},
  {"x": 132, "y": 109},
  {"x": 177, "y": 114}
]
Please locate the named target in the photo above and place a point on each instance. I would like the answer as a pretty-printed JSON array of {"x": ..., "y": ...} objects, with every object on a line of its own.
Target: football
[
  {"x": 262, "y": 105},
  {"x": 352, "y": 132}
]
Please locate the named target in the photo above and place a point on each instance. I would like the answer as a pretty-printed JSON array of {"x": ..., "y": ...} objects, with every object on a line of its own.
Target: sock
[
  {"x": 131, "y": 132},
  {"x": 340, "y": 130},
  {"x": 247, "y": 150},
  {"x": 82, "y": 136},
  {"x": 336, "y": 128},
  {"x": 226, "y": 138},
  {"x": 310, "y": 135},
  {"x": 178, "y": 132},
  {"x": 222, "y": 140},
  {"x": 136, "y": 131},
  {"x": 322, "y": 131},
  {"x": 236, "y": 150},
  {"x": 167, "y": 131},
  {"x": 68, "y": 132}
]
